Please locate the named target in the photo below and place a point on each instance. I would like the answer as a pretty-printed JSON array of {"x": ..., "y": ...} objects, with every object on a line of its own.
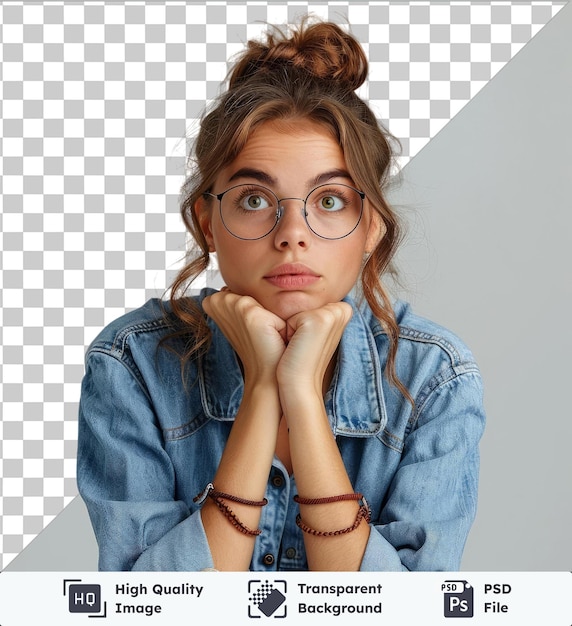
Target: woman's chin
[{"x": 287, "y": 305}]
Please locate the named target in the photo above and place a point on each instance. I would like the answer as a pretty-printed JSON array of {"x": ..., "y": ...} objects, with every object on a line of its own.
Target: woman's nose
[{"x": 292, "y": 229}]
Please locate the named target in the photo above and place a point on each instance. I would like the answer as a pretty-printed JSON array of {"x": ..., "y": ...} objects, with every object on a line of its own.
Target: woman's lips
[
  {"x": 292, "y": 281},
  {"x": 292, "y": 276}
]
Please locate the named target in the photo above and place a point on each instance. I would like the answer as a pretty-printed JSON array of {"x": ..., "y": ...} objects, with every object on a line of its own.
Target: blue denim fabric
[{"x": 147, "y": 446}]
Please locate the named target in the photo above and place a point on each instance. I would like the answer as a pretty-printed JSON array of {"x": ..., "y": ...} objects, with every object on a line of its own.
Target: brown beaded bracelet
[
  {"x": 219, "y": 496},
  {"x": 363, "y": 513},
  {"x": 233, "y": 519},
  {"x": 328, "y": 500},
  {"x": 227, "y": 496},
  {"x": 210, "y": 492}
]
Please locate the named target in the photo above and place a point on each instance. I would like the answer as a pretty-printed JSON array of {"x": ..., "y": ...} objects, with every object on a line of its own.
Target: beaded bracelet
[
  {"x": 363, "y": 513},
  {"x": 233, "y": 519},
  {"x": 210, "y": 492},
  {"x": 328, "y": 500},
  {"x": 227, "y": 496},
  {"x": 219, "y": 496}
]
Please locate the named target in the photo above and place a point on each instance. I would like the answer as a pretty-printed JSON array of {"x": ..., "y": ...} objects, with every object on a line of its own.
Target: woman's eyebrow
[
  {"x": 267, "y": 179},
  {"x": 320, "y": 179},
  {"x": 249, "y": 172}
]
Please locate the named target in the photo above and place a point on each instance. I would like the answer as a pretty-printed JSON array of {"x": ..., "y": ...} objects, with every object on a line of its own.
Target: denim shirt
[{"x": 149, "y": 442}]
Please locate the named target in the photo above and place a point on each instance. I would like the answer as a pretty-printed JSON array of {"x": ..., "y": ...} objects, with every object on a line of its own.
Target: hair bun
[{"x": 321, "y": 48}]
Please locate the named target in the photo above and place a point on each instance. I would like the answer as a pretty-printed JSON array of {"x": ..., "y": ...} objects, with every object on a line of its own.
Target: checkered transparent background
[{"x": 98, "y": 102}]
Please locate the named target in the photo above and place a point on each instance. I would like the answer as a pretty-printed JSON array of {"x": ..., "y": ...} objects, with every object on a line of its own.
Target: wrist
[
  {"x": 261, "y": 390},
  {"x": 304, "y": 410},
  {"x": 297, "y": 382},
  {"x": 259, "y": 407}
]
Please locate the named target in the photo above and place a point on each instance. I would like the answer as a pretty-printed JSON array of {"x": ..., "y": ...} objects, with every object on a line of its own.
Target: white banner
[{"x": 240, "y": 599}]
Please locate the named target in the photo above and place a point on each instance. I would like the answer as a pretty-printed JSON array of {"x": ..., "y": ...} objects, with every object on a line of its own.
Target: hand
[
  {"x": 257, "y": 335},
  {"x": 313, "y": 338}
]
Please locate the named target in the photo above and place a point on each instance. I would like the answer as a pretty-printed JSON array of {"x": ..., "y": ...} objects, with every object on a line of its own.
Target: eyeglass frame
[{"x": 280, "y": 209}]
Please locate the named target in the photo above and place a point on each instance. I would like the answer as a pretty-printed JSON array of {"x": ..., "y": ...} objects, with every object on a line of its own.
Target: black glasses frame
[{"x": 280, "y": 209}]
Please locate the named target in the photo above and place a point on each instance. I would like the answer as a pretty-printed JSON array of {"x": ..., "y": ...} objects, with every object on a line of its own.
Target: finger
[
  {"x": 212, "y": 303},
  {"x": 327, "y": 316},
  {"x": 206, "y": 304},
  {"x": 289, "y": 331},
  {"x": 347, "y": 312}
]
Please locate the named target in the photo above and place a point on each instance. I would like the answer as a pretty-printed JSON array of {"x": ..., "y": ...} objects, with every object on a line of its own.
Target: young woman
[{"x": 282, "y": 423}]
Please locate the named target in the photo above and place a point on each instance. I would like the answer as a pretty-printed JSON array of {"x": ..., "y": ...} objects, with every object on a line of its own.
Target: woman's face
[{"x": 291, "y": 269}]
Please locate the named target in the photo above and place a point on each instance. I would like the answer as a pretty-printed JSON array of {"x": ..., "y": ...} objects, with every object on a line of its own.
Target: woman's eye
[
  {"x": 331, "y": 203},
  {"x": 255, "y": 203}
]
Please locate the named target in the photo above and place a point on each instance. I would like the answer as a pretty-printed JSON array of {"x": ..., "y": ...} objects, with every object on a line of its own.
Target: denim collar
[{"x": 354, "y": 403}]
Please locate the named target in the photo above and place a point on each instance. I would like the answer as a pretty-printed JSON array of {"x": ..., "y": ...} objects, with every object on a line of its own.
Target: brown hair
[{"x": 311, "y": 73}]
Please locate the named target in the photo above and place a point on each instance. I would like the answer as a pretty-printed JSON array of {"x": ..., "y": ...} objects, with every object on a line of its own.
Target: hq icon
[
  {"x": 458, "y": 598},
  {"x": 84, "y": 598}
]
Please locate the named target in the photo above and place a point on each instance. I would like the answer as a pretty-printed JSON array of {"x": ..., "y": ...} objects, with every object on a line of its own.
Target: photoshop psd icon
[{"x": 458, "y": 598}]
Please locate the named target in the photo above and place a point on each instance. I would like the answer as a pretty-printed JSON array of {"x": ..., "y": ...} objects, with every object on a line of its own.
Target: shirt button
[
  {"x": 277, "y": 481},
  {"x": 268, "y": 559},
  {"x": 291, "y": 553}
]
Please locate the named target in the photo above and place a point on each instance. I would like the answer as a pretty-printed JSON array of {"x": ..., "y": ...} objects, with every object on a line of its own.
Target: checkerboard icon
[{"x": 267, "y": 598}]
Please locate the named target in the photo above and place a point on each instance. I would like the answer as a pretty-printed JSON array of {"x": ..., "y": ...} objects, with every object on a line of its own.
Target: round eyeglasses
[{"x": 253, "y": 211}]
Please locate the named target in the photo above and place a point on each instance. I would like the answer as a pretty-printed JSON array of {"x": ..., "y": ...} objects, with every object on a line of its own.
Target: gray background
[{"x": 488, "y": 254}]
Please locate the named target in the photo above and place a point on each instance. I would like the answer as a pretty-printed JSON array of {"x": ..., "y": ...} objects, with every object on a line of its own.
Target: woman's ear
[
  {"x": 375, "y": 232},
  {"x": 204, "y": 216}
]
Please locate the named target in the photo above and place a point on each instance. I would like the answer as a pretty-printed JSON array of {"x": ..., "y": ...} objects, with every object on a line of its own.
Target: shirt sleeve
[
  {"x": 432, "y": 500},
  {"x": 126, "y": 478}
]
